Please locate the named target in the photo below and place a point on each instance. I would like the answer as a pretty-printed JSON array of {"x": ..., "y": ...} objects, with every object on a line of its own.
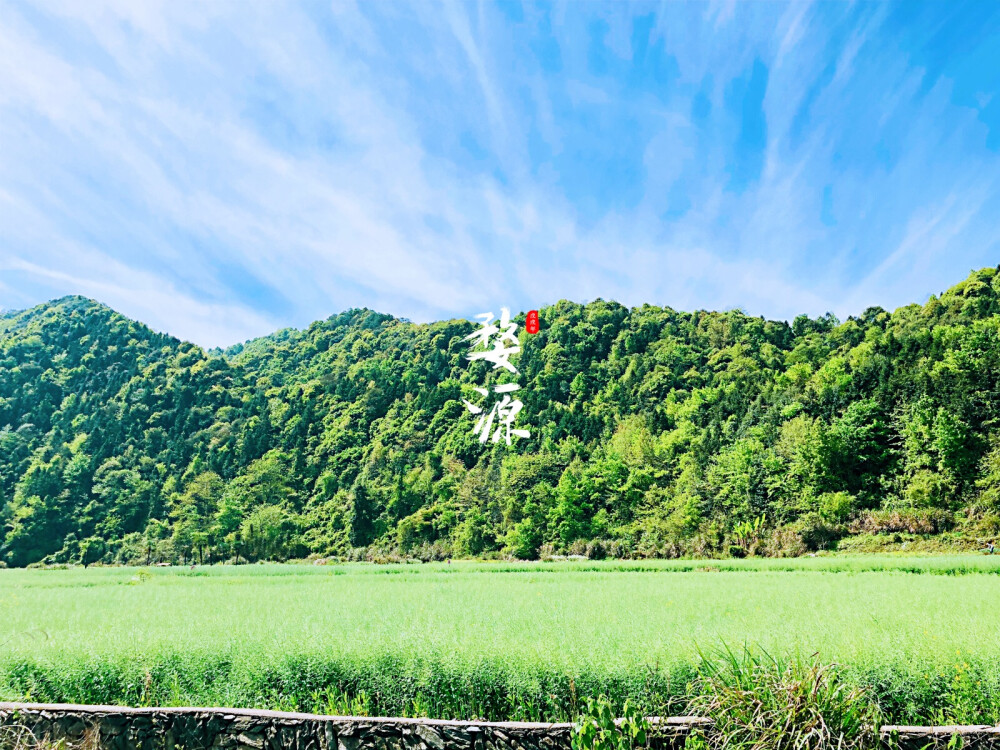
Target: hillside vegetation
[{"x": 654, "y": 433}]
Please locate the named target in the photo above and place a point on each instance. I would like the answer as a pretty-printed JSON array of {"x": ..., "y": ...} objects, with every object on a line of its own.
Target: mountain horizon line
[{"x": 519, "y": 315}]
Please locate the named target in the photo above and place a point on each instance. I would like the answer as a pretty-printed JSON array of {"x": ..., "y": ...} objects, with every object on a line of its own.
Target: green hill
[{"x": 653, "y": 432}]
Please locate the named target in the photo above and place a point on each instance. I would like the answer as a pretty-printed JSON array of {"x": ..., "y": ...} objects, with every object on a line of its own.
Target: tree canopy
[{"x": 653, "y": 432}]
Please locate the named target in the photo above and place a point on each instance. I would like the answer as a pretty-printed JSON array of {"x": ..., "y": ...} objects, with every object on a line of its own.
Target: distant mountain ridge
[{"x": 654, "y": 432}]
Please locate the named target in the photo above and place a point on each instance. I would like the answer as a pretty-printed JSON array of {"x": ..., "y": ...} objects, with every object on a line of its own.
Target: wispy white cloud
[
  {"x": 926, "y": 250},
  {"x": 220, "y": 171},
  {"x": 144, "y": 296}
]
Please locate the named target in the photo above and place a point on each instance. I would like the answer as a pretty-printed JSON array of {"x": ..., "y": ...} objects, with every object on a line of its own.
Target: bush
[
  {"x": 596, "y": 550},
  {"x": 910, "y": 521},
  {"x": 785, "y": 541},
  {"x": 837, "y": 507},
  {"x": 619, "y": 550},
  {"x": 816, "y": 532},
  {"x": 524, "y": 540},
  {"x": 989, "y": 524},
  {"x": 927, "y": 489},
  {"x": 436, "y": 552},
  {"x": 577, "y": 548}
]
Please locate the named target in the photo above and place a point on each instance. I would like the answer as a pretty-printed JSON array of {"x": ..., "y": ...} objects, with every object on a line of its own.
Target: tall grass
[
  {"x": 524, "y": 641},
  {"x": 758, "y": 702}
]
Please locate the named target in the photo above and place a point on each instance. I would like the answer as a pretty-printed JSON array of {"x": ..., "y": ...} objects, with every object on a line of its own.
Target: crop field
[{"x": 500, "y": 641}]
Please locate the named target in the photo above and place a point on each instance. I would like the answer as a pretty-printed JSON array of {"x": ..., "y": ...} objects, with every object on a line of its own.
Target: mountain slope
[
  {"x": 98, "y": 414},
  {"x": 653, "y": 432}
]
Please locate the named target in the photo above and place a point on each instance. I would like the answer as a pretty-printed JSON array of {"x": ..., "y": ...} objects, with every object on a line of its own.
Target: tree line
[{"x": 654, "y": 432}]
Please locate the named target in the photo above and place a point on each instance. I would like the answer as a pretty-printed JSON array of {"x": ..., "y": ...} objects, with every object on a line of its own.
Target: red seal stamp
[{"x": 531, "y": 323}]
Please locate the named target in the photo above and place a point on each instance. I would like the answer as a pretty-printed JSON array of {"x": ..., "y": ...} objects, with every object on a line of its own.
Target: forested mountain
[{"x": 653, "y": 432}]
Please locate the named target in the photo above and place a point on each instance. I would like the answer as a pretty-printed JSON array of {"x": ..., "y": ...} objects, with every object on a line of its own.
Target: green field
[{"x": 524, "y": 641}]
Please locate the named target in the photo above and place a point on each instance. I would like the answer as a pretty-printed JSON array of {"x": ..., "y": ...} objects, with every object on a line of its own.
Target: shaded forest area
[{"x": 653, "y": 433}]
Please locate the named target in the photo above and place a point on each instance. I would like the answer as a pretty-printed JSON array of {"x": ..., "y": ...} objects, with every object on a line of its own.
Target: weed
[{"x": 756, "y": 701}]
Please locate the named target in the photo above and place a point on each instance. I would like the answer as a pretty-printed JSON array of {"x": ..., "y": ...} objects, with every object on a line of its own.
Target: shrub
[
  {"x": 596, "y": 550},
  {"x": 577, "y": 548},
  {"x": 837, "y": 507},
  {"x": 989, "y": 524},
  {"x": 927, "y": 489},
  {"x": 910, "y": 521},
  {"x": 816, "y": 532},
  {"x": 785, "y": 541},
  {"x": 436, "y": 552},
  {"x": 524, "y": 540}
]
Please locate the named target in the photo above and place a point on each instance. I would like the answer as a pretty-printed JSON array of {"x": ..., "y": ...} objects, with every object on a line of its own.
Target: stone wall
[
  {"x": 118, "y": 728},
  {"x": 965, "y": 737}
]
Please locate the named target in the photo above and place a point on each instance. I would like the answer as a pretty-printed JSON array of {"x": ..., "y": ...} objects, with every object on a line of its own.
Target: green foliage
[
  {"x": 599, "y": 728},
  {"x": 657, "y": 432},
  {"x": 748, "y": 533},
  {"x": 757, "y": 701},
  {"x": 837, "y": 507}
]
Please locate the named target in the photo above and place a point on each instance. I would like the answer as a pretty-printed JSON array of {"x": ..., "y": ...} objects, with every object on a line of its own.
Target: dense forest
[{"x": 653, "y": 433}]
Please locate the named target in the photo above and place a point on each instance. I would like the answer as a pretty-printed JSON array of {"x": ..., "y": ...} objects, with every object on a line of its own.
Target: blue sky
[{"x": 221, "y": 170}]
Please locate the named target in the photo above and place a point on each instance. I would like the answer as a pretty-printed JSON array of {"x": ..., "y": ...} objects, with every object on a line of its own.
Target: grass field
[{"x": 522, "y": 641}]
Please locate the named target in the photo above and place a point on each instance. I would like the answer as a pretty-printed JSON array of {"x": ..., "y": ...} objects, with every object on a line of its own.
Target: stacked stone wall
[{"x": 118, "y": 728}]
